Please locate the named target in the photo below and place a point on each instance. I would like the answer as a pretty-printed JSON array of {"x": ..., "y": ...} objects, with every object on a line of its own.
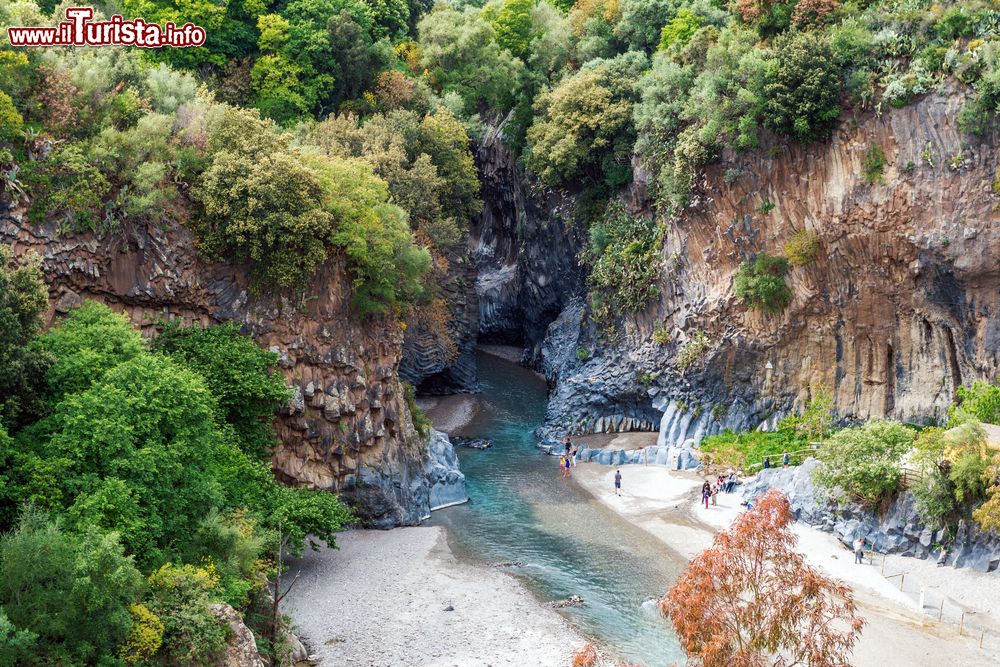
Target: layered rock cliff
[
  {"x": 347, "y": 428},
  {"x": 900, "y": 306}
]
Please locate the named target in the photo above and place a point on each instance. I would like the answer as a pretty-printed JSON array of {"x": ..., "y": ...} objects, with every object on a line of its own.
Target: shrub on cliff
[
  {"x": 583, "y": 128},
  {"x": 801, "y": 247},
  {"x": 285, "y": 212},
  {"x": 864, "y": 463},
  {"x": 761, "y": 283},
  {"x": 624, "y": 253},
  {"x": 802, "y": 91}
]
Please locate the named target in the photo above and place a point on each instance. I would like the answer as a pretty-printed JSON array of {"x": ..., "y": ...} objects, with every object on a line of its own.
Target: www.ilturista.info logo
[{"x": 79, "y": 30}]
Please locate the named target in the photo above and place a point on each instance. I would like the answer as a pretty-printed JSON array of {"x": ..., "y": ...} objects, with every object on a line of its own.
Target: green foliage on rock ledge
[
  {"x": 624, "y": 253},
  {"x": 761, "y": 283}
]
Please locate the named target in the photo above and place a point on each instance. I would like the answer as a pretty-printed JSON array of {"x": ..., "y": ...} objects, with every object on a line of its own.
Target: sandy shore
[
  {"x": 450, "y": 413},
  {"x": 665, "y": 503},
  {"x": 400, "y": 598}
]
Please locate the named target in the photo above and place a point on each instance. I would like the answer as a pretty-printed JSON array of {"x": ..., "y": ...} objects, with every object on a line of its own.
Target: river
[{"x": 520, "y": 509}]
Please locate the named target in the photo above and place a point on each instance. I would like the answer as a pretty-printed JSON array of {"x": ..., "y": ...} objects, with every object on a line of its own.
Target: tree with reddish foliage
[
  {"x": 751, "y": 600},
  {"x": 813, "y": 12}
]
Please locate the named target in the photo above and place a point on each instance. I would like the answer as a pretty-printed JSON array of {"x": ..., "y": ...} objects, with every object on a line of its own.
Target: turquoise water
[{"x": 521, "y": 510}]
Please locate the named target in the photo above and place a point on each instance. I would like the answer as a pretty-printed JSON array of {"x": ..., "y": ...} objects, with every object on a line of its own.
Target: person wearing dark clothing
[
  {"x": 618, "y": 482},
  {"x": 706, "y": 492}
]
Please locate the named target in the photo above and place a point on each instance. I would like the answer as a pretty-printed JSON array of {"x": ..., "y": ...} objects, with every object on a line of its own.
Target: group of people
[
  {"x": 568, "y": 459},
  {"x": 726, "y": 483}
]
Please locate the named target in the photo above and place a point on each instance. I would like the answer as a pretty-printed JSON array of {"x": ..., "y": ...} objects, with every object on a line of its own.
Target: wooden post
[
  {"x": 981, "y": 635},
  {"x": 883, "y": 565},
  {"x": 902, "y": 577},
  {"x": 961, "y": 625},
  {"x": 941, "y": 612}
]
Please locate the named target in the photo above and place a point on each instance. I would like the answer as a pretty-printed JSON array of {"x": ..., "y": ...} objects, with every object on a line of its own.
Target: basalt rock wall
[
  {"x": 524, "y": 249},
  {"x": 899, "y": 307},
  {"x": 347, "y": 428}
]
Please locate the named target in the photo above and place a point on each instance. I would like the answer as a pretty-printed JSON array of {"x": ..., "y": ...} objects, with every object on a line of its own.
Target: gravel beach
[{"x": 401, "y": 598}]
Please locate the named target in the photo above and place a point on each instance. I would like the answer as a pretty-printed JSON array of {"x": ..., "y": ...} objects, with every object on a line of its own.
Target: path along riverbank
[{"x": 666, "y": 504}]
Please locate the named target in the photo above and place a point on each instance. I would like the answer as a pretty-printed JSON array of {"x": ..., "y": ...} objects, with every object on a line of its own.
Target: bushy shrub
[
  {"x": 864, "y": 463},
  {"x": 70, "y": 592},
  {"x": 980, "y": 400},
  {"x": 239, "y": 374},
  {"x": 746, "y": 451},
  {"x": 692, "y": 350},
  {"x": 624, "y": 253},
  {"x": 802, "y": 90},
  {"x": 181, "y": 600},
  {"x": 421, "y": 422},
  {"x": 801, "y": 247},
  {"x": 761, "y": 283}
]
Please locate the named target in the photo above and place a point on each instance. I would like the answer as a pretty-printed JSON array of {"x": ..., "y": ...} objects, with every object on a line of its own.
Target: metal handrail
[{"x": 795, "y": 457}]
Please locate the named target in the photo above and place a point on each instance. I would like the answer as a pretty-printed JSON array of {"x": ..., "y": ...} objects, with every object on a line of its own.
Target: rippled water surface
[{"x": 521, "y": 510}]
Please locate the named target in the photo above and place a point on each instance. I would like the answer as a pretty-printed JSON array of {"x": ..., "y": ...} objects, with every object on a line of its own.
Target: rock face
[
  {"x": 899, "y": 307},
  {"x": 242, "y": 649},
  {"x": 524, "y": 253},
  {"x": 446, "y": 481},
  {"x": 347, "y": 422},
  {"x": 900, "y": 531}
]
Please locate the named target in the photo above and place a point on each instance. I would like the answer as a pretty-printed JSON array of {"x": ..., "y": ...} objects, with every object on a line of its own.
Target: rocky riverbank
[
  {"x": 664, "y": 503},
  {"x": 402, "y": 598}
]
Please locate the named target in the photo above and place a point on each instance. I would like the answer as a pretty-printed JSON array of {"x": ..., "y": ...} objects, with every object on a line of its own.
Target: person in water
[
  {"x": 569, "y": 464},
  {"x": 618, "y": 482},
  {"x": 562, "y": 465}
]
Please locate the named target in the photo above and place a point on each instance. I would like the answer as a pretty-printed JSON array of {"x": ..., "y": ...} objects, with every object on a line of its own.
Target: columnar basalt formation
[
  {"x": 347, "y": 427},
  {"x": 899, "y": 307}
]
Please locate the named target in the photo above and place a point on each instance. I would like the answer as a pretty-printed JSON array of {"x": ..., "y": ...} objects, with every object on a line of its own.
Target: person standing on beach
[
  {"x": 569, "y": 463},
  {"x": 618, "y": 482},
  {"x": 859, "y": 551},
  {"x": 562, "y": 465},
  {"x": 706, "y": 491}
]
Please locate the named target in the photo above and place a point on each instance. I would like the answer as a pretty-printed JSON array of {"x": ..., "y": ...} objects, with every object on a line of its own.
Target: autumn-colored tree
[{"x": 751, "y": 600}]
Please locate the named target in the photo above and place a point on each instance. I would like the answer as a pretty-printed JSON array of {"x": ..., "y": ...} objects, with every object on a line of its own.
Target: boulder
[
  {"x": 446, "y": 481},
  {"x": 241, "y": 651}
]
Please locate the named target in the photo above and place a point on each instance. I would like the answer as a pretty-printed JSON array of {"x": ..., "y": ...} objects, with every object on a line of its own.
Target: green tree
[
  {"x": 85, "y": 346},
  {"x": 461, "y": 53},
  {"x": 238, "y": 373},
  {"x": 863, "y": 463},
  {"x": 802, "y": 91},
  {"x": 23, "y": 300},
  {"x": 141, "y": 450},
  {"x": 680, "y": 30},
  {"x": 511, "y": 19},
  {"x": 71, "y": 592},
  {"x": 580, "y": 126}
]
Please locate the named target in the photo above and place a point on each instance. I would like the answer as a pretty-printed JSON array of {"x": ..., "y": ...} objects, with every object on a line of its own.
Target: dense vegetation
[
  {"x": 577, "y": 88},
  {"x": 135, "y": 485}
]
